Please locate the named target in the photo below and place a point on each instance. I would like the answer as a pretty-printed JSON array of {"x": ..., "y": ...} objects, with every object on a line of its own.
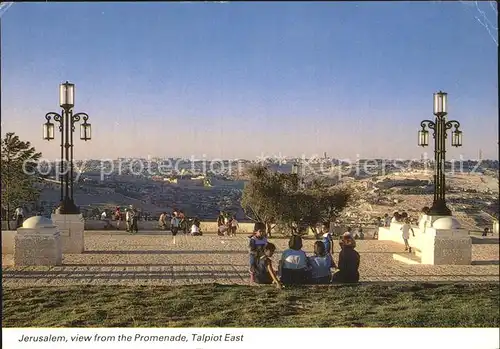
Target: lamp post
[
  {"x": 440, "y": 126},
  {"x": 67, "y": 121}
]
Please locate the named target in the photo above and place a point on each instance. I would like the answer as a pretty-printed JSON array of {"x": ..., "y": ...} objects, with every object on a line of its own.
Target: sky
[{"x": 242, "y": 80}]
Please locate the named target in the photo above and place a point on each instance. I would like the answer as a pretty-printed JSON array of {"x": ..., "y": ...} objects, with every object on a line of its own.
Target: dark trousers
[
  {"x": 294, "y": 276},
  {"x": 133, "y": 226},
  {"x": 347, "y": 278},
  {"x": 321, "y": 281},
  {"x": 19, "y": 221}
]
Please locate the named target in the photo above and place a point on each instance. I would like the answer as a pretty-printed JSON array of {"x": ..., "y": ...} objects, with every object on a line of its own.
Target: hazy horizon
[{"x": 237, "y": 80}]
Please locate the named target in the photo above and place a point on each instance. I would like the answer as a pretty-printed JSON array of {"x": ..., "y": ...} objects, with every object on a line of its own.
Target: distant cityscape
[{"x": 155, "y": 185}]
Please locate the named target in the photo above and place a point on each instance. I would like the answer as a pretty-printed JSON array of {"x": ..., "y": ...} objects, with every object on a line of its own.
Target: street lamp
[
  {"x": 439, "y": 127},
  {"x": 67, "y": 121}
]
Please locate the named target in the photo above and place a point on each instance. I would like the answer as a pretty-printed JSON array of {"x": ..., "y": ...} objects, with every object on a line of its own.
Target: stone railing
[{"x": 205, "y": 226}]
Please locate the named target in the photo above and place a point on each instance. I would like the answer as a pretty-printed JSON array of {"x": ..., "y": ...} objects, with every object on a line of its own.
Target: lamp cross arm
[
  {"x": 449, "y": 124},
  {"x": 53, "y": 115},
  {"x": 428, "y": 123},
  {"x": 78, "y": 116}
]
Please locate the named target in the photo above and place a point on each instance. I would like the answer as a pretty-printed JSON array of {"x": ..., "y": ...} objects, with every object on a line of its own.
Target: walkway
[{"x": 152, "y": 259}]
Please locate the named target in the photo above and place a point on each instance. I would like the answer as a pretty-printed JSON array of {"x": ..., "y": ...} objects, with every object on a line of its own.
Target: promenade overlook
[{"x": 151, "y": 258}]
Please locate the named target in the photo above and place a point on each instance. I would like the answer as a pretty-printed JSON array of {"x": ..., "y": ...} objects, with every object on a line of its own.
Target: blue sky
[{"x": 234, "y": 80}]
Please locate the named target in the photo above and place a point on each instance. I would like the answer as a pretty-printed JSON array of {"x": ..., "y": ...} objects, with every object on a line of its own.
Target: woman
[
  {"x": 293, "y": 263},
  {"x": 348, "y": 261}
]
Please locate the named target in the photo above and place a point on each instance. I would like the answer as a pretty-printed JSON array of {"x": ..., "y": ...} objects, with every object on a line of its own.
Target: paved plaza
[{"x": 152, "y": 259}]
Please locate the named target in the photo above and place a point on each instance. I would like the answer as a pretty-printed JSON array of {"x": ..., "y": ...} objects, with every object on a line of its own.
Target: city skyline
[{"x": 237, "y": 80}]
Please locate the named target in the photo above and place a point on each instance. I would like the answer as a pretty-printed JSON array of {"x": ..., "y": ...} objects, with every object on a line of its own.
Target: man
[
  {"x": 220, "y": 219},
  {"x": 163, "y": 221},
  {"x": 234, "y": 226},
  {"x": 133, "y": 217},
  {"x": 19, "y": 216},
  {"x": 174, "y": 225},
  {"x": 118, "y": 217}
]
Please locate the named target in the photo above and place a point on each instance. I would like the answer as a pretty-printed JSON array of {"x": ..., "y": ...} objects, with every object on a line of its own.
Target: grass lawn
[{"x": 212, "y": 305}]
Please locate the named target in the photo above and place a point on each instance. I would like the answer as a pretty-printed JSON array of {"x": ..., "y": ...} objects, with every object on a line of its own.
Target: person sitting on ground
[
  {"x": 195, "y": 228},
  {"x": 327, "y": 238},
  {"x": 293, "y": 263},
  {"x": 263, "y": 268},
  {"x": 320, "y": 265},
  {"x": 348, "y": 261},
  {"x": 406, "y": 234},
  {"x": 222, "y": 230},
  {"x": 256, "y": 246}
]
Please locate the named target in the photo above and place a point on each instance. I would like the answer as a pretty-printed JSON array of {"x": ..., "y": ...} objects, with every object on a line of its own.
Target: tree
[
  {"x": 18, "y": 173},
  {"x": 275, "y": 198}
]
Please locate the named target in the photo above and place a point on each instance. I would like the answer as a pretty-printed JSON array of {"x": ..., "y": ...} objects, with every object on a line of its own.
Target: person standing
[
  {"x": 220, "y": 219},
  {"x": 118, "y": 217},
  {"x": 234, "y": 226},
  {"x": 19, "y": 216},
  {"x": 133, "y": 217},
  {"x": 256, "y": 247},
  {"x": 174, "y": 225},
  {"x": 406, "y": 234},
  {"x": 127, "y": 220},
  {"x": 162, "y": 222}
]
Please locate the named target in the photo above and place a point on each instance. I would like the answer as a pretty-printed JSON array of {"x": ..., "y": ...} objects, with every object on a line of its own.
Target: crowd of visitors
[{"x": 296, "y": 268}]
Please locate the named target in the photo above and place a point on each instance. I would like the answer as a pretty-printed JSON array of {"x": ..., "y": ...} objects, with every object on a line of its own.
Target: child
[
  {"x": 293, "y": 263},
  {"x": 327, "y": 239},
  {"x": 256, "y": 246},
  {"x": 320, "y": 264},
  {"x": 348, "y": 261},
  {"x": 264, "y": 272},
  {"x": 406, "y": 233}
]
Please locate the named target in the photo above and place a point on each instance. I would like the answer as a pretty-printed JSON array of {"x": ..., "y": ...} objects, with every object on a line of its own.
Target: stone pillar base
[
  {"x": 72, "y": 227},
  {"x": 445, "y": 243},
  {"x": 37, "y": 248}
]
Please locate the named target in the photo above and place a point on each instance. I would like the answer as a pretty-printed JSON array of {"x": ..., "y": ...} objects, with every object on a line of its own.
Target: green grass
[{"x": 212, "y": 305}]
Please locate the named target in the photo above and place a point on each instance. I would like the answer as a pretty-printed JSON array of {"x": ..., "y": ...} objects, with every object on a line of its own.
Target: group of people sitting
[
  {"x": 296, "y": 268},
  {"x": 227, "y": 225}
]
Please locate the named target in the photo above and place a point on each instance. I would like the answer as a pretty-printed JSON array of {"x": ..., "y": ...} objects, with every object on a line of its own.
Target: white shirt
[
  {"x": 234, "y": 223},
  {"x": 406, "y": 230},
  {"x": 195, "y": 229},
  {"x": 293, "y": 259},
  {"x": 19, "y": 211},
  {"x": 103, "y": 215}
]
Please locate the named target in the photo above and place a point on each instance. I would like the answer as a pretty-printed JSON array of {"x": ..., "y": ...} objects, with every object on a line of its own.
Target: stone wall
[
  {"x": 206, "y": 226},
  {"x": 394, "y": 233},
  {"x": 8, "y": 238}
]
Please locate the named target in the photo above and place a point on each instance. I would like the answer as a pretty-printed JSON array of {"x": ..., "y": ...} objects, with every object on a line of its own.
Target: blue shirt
[
  {"x": 320, "y": 266},
  {"x": 293, "y": 259}
]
